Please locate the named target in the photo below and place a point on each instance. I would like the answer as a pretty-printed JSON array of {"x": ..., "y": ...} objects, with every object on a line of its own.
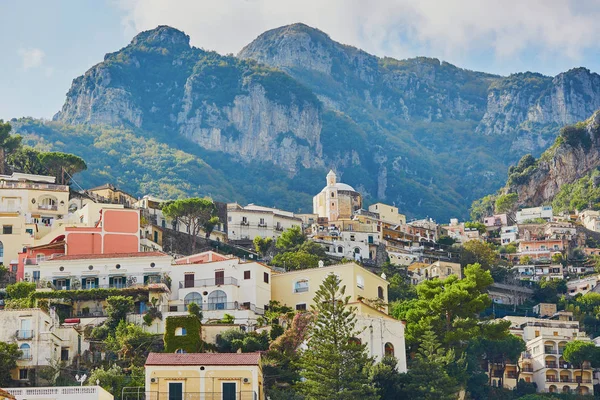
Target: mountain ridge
[{"x": 408, "y": 132}]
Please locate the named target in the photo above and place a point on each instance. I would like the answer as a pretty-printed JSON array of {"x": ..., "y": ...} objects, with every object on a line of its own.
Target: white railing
[{"x": 50, "y": 391}]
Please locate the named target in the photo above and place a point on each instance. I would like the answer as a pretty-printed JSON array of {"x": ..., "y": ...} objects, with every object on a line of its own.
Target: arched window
[
  {"x": 340, "y": 249},
  {"x": 388, "y": 349},
  {"x": 356, "y": 250},
  {"x": 301, "y": 286},
  {"x": 360, "y": 282},
  {"x": 217, "y": 300},
  {"x": 180, "y": 331},
  {"x": 380, "y": 293},
  {"x": 192, "y": 297},
  {"x": 180, "y": 351},
  {"x": 26, "y": 349},
  {"x": 47, "y": 203}
]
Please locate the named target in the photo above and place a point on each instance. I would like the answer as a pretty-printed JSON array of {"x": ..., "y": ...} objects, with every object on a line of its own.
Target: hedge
[{"x": 89, "y": 294}]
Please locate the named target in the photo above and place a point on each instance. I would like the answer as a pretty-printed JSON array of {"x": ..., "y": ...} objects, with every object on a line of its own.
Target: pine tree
[
  {"x": 335, "y": 366},
  {"x": 428, "y": 378}
]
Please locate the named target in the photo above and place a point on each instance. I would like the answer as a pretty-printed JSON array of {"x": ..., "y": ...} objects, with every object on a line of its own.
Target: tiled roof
[
  {"x": 4, "y": 393},
  {"x": 114, "y": 255},
  {"x": 203, "y": 359}
]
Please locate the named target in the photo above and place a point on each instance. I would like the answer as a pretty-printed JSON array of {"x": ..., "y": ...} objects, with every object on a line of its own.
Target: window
[
  {"x": 219, "y": 277},
  {"x": 449, "y": 271},
  {"x": 332, "y": 194},
  {"x": 380, "y": 293},
  {"x": 192, "y": 297},
  {"x": 26, "y": 351},
  {"x": 229, "y": 219},
  {"x": 389, "y": 349},
  {"x": 301, "y": 307},
  {"x": 354, "y": 340},
  {"x": 61, "y": 284},
  {"x": 266, "y": 277},
  {"x": 360, "y": 282},
  {"x": 7, "y": 229},
  {"x": 176, "y": 388},
  {"x": 180, "y": 331},
  {"x": 301, "y": 286},
  {"x": 340, "y": 249},
  {"x": 1, "y": 249},
  {"x": 23, "y": 374},
  {"x": 64, "y": 355},
  {"x": 246, "y": 274},
  {"x": 229, "y": 391},
  {"x": 244, "y": 221},
  {"x": 262, "y": 222},
  {"x": 537, "y": 333},
  {"x": 188, "y": 281},
  {"x": 217, "y": 300}
]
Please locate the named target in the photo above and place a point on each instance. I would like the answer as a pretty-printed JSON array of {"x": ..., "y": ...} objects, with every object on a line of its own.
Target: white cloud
[
  {"x": 506, "y": 30},
  {"x": 31, "y": 57}
]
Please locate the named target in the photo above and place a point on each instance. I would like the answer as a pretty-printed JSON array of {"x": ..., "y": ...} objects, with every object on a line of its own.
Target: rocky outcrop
[
  {"x": 528, "y": 102},
  {"x": 575, "y": 154}
]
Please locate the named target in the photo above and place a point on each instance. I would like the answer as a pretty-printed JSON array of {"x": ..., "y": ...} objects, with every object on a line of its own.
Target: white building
[
  {"x": 40, "y": 340},
  {"x": 509, "y": 234},
  {"x": 590, "y": 219},
  {"x": 90, "y": 271},
  {"x": 230, "y": 286},
  {"x": 526, "y": 214},
  {"x": 246, "y": 223},
  {"x": 351, "y": 245},
  {"x": 538, "y": 273}
]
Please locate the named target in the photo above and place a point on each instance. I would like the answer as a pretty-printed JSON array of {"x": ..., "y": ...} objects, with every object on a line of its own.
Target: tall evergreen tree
[
  {"x": 335, "y": 366},
  {"x": 8, "y": 144},
  {"x": 428, "y": 378}
]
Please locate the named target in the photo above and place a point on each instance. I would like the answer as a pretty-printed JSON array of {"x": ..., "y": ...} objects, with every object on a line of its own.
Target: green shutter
[
  {"x": 96, "y": 283},
  {"x": 145, "y": 279},
  {"x": 110, "y": 281},
  {"x": 54, "y": 282},
  {"x": 83, "y": 283},
  {"x": 68, "y": 283}
]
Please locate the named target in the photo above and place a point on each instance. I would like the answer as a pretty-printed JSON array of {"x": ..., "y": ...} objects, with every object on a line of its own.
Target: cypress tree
[{"x": 335, "y": 366}]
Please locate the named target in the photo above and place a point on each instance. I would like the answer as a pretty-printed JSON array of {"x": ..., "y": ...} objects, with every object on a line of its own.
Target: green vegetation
[
  {"x": 579, "y": 195},
  {"x": 8, "y": 144},
  {"x": 505, "y": 203},
  {"x": 113, "y": 379},
  {"x": 335, "y": 365},
  {"x": 190, "y": 341},
  {"x": 195, "y": 213},
  {"x": 9, "y": 354},
  {"x": 20, "y": 290},
  {"x": 234, "y": 339}
]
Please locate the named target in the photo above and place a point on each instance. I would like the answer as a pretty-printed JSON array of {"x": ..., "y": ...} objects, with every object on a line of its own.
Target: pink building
[{"x": 495, "y": 220}]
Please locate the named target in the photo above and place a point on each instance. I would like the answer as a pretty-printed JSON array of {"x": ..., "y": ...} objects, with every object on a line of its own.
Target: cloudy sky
[{"x": 45, "y": 45}]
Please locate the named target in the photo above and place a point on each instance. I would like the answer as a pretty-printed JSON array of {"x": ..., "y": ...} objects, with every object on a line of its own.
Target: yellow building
[
  {"x": 218, "y": 376},
  {"x": 388, "y": 213},
  {"x": 29, "y": 207},
  {"x": 108, "y": 193},
  {"x": 382, "y": 334},
  {"x": 439, "y": 269}
]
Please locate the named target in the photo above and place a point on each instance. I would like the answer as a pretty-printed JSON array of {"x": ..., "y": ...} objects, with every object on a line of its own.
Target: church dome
[{"x": 341, "y": 186}]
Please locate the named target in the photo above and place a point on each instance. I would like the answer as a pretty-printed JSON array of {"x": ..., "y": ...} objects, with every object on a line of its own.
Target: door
[
  {"x": 228, "y": 391},
  {"x": 25, "y": 332},
  {"x": 219, "y": 277},
  {"x": 189, "y": 280},
  {"x": 175, "y": 391}
]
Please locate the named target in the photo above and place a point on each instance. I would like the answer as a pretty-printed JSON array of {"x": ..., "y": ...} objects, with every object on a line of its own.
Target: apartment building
[
  {"x": 542, "y": 363},
  {"x": 382, "y": 334},
  {"x": 40, "y": 339},
  {"x": 539, "y": 272},
  {"x": 495, "y": 221},
  {"x": 388, "y": 214},
  {"x": 528, "y": 214},
  {"x": 439, "y": 269},
  {"x": 509, "y": 234},
  {"x": 541, "y": 249},
  {"x": 590, "y": 219},
  {"x": 246, "y": 223},
  {"x": 225, "y": 286}
]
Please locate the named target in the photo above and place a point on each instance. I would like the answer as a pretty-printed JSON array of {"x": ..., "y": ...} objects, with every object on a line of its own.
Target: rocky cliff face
[
  {"x": 212, "y": 100},
  {"x": 525, "y": 101},
  {"x": 575, "y": 153},
  {"x": 294, "y": 99}
]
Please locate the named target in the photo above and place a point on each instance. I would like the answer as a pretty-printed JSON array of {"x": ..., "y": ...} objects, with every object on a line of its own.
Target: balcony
[
  {"x": 24, "y": 334},
  {"x": 228, "y": 280},
  {"x": 215, "y": 307},
  {"x": 262, "y": 225},
  {"x": 548, "y": 350},
  {"x": 31, "y": 185},
  {"x": 26, "y": 355},
  {"x": 511, "y": 375},
  {"x": 527, "y": 369},
  {"x": 551, "y": 365},
  {"x": 48, "y": 207}
]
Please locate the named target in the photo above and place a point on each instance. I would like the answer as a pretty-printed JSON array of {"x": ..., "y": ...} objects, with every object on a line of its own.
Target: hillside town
[{"x": 112, "y": 296}]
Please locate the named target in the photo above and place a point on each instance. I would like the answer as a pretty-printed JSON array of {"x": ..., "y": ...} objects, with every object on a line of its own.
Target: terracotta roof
[
  {"x": 203, "y": 359},
  {"x": 114, "y": 255}
]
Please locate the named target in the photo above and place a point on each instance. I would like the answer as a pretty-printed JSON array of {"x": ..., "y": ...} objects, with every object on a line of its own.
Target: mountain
[
  {"x": 267, "y": 124},
  {"x": 566, "y": 175}
]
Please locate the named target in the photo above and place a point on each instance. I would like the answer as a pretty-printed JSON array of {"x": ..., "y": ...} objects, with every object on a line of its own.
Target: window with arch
[
  {"x": 388, "y": 349},
  {"x": 180, "y": 331},
  {"x": 340, "y": 249},
  {"x": 217, "y": 300},
  {"x": 360, "y": 282},
  {"x": 180, "y": 351},
  {"x": 47, "y": 203},
  {"x": 26, "y": 349},
  {"x": 354, "y": 340},
  {"x": 380, "y": 293},
  {"x": 301, "y": 286},
  {"x": 356, "y": 250},
  {"x": 192, "y": 297}
]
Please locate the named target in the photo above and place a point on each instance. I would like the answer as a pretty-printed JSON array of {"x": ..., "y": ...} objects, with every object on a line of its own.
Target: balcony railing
[
  {"x": 527, "y": 369},
  {"x": 48, "y": 207},
  {"x": 511, "y": 375},
  {"x": 550, "y": 351},
  {"x": 243, "y": 395},
  {"x": 55, "y": 392},
  {"x": 29, "y": 185},
  {"x": 228, "y": 280},
  {"x": 24, "y": 334},
  {"x": 550, "y": 365},
  {"x": 26, "y": 356},
  {"x": 216, "y": 307}
]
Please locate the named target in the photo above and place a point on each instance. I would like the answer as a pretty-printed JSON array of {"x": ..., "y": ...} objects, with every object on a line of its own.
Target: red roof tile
[
  {"x": 203, "y": 359},
  {"x": 114, "y": 255}
]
